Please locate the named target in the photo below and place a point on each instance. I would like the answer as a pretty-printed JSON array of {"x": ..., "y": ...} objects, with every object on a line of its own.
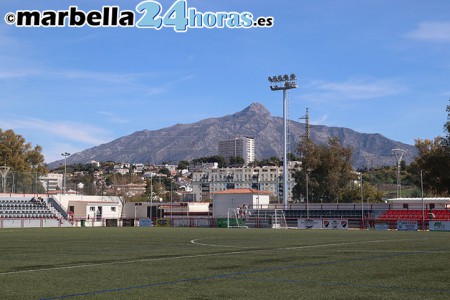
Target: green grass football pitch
[{"x": 213, "y": 263}]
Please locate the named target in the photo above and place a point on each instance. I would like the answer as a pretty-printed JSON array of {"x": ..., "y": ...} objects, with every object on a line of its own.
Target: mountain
[{"x": 188, "y": 141}]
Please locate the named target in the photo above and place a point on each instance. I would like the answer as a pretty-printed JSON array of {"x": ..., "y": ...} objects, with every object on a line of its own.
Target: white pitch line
[
  {"x": 390, "y": 251},
  {"x": 195, "y": 241},
  {"x": 121, "y": 262},
  {"x": 214, "y": 245},
  {"x": 189, "y": 256}
]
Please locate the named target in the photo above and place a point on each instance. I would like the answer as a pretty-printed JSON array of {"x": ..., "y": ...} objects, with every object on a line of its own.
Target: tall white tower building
[{"x": 241, "y": 146}]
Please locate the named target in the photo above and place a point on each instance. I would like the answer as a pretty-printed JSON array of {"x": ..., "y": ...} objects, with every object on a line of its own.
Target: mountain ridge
[{"x": 198, "y": 139}]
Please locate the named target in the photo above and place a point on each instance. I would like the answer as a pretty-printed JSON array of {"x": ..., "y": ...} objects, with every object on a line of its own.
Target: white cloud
[
  {"x": 157, "y": 90},
  {"x": 17, "y": 73},
  {"x": 56, "y": 137},
  {"x": 431, "y": 32},
  {"x": 353, "y": 89},
  {"x": 445, "y": 94},
  {"x": 97, "y": 76},
  {"x": 320, "y": 120},
  {"x": 72, "y": 131},
  {"x": 168, "y": 86},
  {"x": 53, "y": 151},
  {"x": 113, "y": 117}
]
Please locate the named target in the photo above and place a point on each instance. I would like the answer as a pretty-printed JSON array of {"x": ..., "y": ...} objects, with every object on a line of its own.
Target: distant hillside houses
[{"x": 199, "y": 181}]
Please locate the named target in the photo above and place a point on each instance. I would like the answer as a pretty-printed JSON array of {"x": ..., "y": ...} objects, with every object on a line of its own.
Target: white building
[
  {"x": 121, "y": 169},
  {"x": 267, "y": 178},
  {"x": 91, "y": 210},
  {"x": 239, "y": 199},
  {"x": 52, "y": 181},
  {"x": 202, "y": 166},
  {"x": 241, "y": 146},
  {"x": 419, "y": 203},
  {"x": 138, "y": 168}
]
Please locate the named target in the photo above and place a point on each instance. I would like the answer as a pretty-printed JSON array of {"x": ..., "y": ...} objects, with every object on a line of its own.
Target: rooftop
[{"x": 243, "y": 191}]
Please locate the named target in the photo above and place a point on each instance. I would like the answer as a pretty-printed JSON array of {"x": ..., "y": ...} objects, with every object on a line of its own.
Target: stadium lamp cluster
[{"x": 283, "y": 82}]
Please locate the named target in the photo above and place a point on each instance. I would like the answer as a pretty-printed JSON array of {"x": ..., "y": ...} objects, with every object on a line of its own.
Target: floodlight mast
[{"x": 284, "y": 83}]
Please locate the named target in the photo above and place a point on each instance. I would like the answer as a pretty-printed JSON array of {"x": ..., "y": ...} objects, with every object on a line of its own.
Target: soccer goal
[
  {"x": 236, "y": 218},
  {"x": 4, "y": 172},
  {"x": 279, "y": 220}
]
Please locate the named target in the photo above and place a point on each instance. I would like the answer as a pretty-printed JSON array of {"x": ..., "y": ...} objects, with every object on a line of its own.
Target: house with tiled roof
[{"x": 240, "y": 200}]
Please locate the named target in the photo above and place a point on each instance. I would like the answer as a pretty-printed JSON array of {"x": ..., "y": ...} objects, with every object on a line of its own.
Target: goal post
[
  {"x": 279, "y": 220},
  {"x": 235, "y": 219},
  {"x": 4, "y": 172}
]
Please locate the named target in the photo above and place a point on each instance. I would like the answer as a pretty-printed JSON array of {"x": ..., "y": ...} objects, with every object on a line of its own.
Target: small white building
[
  {"x": 418, "y": 203},
  {"x": 90, "y": 210},
  {"x": 239, "y": 199},
  {"x": 52, "y": 181}
]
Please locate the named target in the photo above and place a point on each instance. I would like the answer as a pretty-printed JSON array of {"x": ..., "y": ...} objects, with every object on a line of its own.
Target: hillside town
[{"x": 194, "y": 181}]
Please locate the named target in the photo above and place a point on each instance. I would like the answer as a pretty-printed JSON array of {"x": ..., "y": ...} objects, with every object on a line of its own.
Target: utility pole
[
  {"x": 399, "y": 156},
  {"x": 307, "y": 126},
  {"x": 307, "y": 137}
]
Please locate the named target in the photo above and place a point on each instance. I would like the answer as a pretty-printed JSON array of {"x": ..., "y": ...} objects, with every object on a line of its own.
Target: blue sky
[{"x": 374, "y": 66}]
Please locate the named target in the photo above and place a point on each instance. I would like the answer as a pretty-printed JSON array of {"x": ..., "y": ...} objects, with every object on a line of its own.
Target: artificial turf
[{"x": 214, "y": 263}]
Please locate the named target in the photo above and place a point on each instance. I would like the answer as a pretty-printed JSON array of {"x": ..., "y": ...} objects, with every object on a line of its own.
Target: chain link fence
[{"x": 22, "y": 182}]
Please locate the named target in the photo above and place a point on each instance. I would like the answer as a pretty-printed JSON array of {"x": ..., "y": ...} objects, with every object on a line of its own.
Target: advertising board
[
  {"x": 439, "y": 226},
  {"x": 403, "y": 225},
  {"x": 309, "y": 224},
  {"x": 335, "y": 224}
]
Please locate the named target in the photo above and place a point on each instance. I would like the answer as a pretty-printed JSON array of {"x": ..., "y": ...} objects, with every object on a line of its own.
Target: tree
[
  {"x": 446, "y": 140},
  {"x": 19, "y": 155},
  {"x": 183, "y": 165},
  {"x": 433, "y": 161},
  {"x": 272, "y": 161},
  {"x": 292, "y": 157},
  {"x": 236, "y": 161},
  {"x": 352, "y": 193},
  {"x": 329, "y": 171},
  {"x": 26, "y": 163},
  {"x": 164, "y": 171}
]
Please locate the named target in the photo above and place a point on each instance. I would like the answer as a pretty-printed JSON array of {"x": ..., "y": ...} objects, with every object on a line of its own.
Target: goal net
[
  {"x": 236, "y": 218},
  {"x": 3, "y": 173},
  {"x": 279, "y": 220}
]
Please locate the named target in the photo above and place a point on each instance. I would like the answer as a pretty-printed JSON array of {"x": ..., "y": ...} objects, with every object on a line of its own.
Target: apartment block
[
  {"x": 239, "y": 146},
  {"x": 267, "y": 178}
]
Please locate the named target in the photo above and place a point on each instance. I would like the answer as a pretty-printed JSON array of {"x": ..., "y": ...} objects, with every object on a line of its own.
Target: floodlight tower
[
  {"x": 398, "y": 155},
  {"x": 284, "y": 83}
]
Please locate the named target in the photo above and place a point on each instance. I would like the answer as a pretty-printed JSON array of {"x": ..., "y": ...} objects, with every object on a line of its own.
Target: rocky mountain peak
[
  {"x": 188, "y": 141},
  {"x": 254, "y": 110}
]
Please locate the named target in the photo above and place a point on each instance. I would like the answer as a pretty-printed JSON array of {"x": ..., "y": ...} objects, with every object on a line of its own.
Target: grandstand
[
  {"x": 58, "y": 210},
  {"x": 28, "y": 210},
  {"x": 416, "y": 209},
  {"x": 415, "y": 215}
]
